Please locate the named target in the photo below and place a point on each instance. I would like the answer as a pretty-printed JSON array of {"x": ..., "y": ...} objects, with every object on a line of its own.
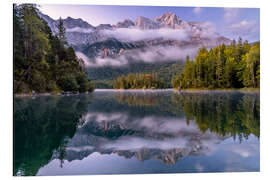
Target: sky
[{"x": 230, "y": 22}]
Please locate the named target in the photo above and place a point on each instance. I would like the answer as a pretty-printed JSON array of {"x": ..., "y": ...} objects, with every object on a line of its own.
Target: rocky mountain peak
[
  {"x": 80, "y": 32},
  {"x": 168, "y": 17},
  {"x": 169, "y": 20},
  {"x": 145, "y": 23},
  {"x": 70, "y": 22},
  {"x": 125, "y": 24},
  {"x": 104, "y": 26}
]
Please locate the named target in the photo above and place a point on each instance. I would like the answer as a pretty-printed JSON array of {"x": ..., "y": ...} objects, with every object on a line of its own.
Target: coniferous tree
[
  {"x": 225, "y": 66},
  {"x": 61, "y": 32},
  {"x": 42, "y": 61},
  {"x": 139, "y": 81}
]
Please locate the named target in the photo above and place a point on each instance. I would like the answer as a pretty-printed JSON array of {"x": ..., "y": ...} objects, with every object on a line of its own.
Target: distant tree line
[
  {"x": 139, "y": 81},
  {"x": 226, "y": 66},
  {"x": 103, "y": 77},
  {"x": 234, "y": 114},
  {"x": 43, "y": 62}
]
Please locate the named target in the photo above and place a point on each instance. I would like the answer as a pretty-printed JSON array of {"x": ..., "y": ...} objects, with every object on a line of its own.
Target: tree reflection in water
[
  {"x": 163, "y": 126},
  {"x": 41, "y": 126},
  {"x": 235, "y": 114}
]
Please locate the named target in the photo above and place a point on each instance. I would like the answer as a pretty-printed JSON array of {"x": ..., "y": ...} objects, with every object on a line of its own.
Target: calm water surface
[{"x": 112, "y": 132}]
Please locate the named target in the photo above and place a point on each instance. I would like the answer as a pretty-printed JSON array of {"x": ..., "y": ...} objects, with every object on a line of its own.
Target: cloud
[
  {"x": 78, "y": 29},
  {"x": 197, "y": 10},
  {"x": 135, "y": 34},
  {"x": 100, "y": 62},
  {"x": 151, "y": 124},
  {"x": 149, "y": 55},
  {"x": 246, "y": 29},
  {"x": 244, "y": 150},
  {"x": 136, "y": 143},
  {"x": 209, "y": 31},
  {"x": 81, "y": 148},
  {"x": 231, "y": 14},
  {"x": 156, "y": 53},
  {"x": 243, "y": 27},
  {"x": 86, "y": 60},
  {"x": 160, "y": 136},
  {"x": 206, "y": 143},
  {"x": 106, "y": 117}
]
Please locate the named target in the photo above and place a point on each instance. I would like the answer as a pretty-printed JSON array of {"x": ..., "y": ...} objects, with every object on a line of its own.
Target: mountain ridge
[
  {"x": 167, "y": 20},
  {"x": 139, "y": 46}
]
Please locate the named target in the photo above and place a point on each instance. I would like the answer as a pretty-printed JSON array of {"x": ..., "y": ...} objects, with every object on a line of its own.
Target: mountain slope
[
  {"x": 92, "y": 34},
  {"x": 143, "y": 45}
]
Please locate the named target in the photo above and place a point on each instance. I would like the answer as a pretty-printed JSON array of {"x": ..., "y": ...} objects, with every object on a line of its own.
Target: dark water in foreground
[{"x": 137, "y": 132}]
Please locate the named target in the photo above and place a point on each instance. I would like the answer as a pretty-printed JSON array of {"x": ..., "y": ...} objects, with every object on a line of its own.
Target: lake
[{"x": 136, "y": 132}]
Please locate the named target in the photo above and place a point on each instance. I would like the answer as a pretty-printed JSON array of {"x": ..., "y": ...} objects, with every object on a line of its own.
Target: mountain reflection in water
[{"x": 152, "y": 127}]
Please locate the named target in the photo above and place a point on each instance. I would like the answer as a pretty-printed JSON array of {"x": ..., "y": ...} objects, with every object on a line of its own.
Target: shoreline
[
  {"x": 47, "y": 94},
  {"x": 246, "y": 90},
  {"x": 183, "y": 90},
  {"x": 221, "y": 90}
]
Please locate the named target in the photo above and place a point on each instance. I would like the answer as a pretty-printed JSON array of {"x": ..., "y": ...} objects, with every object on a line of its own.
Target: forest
[
  {"x": 44, "y": 62},
  {"x": 226, "y": 66},
  {"x": 139, "y": 81},
  {"x": 103, "y": 77}
]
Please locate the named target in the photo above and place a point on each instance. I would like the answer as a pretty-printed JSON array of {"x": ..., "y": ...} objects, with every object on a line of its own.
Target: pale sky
[{"x": 230, "y": 22}]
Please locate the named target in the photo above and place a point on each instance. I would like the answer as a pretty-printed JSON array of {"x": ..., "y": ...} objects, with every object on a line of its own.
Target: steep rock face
[
  {"x": 109, "y": 48},
  {"x": 125, "y": 24},
  {"x": 77, "y": 38},
  {"x": 72, "y": 23},
  {"x": 97, "y": 42},
  {"x": 170, "y": 20},
  {"x": 145, "y": 23},
  {"x": 104, "y": 27},
  {"x": 77, "y": 31},
  {"x": 51, "y": 22},
  {"x": 81, "y": 32}
]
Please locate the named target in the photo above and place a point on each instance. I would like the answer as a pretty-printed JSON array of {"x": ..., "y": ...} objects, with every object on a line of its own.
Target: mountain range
[
  {"x": 112, "y": 133},
  {"x": 80, "y": 32},
  {"x": 134, "y": 46}
]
